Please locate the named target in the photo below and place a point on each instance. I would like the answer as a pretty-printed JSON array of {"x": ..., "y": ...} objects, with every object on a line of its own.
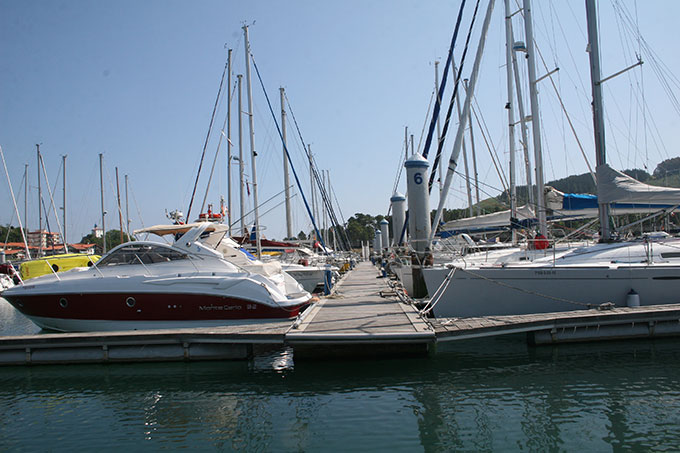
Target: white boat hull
[{"x": 523, "y": 290}]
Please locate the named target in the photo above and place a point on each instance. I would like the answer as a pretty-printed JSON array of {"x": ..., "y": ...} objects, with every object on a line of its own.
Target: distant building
[
  {"x": 43, "y": 239},
  {"x": 81, "y": 248},
  {"x": 97, "y": 232}
]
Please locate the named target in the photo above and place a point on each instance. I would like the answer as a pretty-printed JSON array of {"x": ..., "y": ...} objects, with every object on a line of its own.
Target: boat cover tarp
[
  {"x": 614, "y": 186},
  {"x": 162, "y": 230},
  {"x": 496, "y": 221}
]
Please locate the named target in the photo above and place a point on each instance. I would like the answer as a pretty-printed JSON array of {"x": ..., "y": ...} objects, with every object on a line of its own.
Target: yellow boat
[{"x": 55, "y": 263}]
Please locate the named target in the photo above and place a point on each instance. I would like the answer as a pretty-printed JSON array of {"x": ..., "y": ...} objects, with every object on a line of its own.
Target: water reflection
[
  {"x": 14, "y": 323},
  {"x": 485, "y": 395}
]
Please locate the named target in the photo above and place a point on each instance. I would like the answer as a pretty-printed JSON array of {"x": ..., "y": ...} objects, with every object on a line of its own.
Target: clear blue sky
[{"x": 137, "y": 81}]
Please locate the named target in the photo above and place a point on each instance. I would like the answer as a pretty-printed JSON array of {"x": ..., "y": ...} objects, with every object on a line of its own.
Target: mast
[
  {"x": 598, "y": 112},
  {"x": 120, "y": 210},
  {"x": 523, "y": 127},
  {"x": 465, "y": 158},
  {"x": 14, "y": 202},
  {"x": 40, "y": 234},
  {"x": 511, "y": 115},
  {"x": 312, "y": 192},
  {"x": 241, "y": 168},
  {"x": 26, "y": 198},
  {"x": 127, "y": 208},
  {"x": 324, "y": 233},
  {"x": 286, "y": 176},
  {"x": 101, "y": 185},
  {"x": 535, "y": 119},
  {"x": 63, "y": 158},
  {"x": 474, "y": 157},
  {"x": 330, "y": 203},
  {"x": 439, "y": 131},
  {"x": 453, "y": 160},
  {"x": 253, "y": 154},
  {"x": 229, "y": 157}
]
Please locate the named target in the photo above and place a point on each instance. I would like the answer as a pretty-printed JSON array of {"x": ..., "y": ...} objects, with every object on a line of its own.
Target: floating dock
[{"x": 364, "y": 317}]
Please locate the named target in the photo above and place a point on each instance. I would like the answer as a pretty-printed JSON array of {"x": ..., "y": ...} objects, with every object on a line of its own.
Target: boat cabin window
[{"x": 141, "y": 253}]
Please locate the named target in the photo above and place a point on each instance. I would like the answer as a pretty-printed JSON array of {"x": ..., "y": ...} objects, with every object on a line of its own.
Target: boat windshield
[{"x": 141, "y": 254}]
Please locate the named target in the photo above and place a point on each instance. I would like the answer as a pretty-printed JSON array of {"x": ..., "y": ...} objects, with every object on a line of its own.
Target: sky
[{"x": 137, "y": 82}]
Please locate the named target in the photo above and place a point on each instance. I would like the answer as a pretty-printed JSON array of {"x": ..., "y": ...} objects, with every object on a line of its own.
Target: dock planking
[
  {"x": 569, "y": 326},
  {"x": 362, "y": 318}
]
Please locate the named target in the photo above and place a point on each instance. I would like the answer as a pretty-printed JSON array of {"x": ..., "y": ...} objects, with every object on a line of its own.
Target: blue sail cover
[
  {"x": 581, "y": 202},
  {"x": 578, "y": 201}
]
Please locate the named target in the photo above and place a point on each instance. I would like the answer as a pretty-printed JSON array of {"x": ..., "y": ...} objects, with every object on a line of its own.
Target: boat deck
[{"x": 364, "y": 317}]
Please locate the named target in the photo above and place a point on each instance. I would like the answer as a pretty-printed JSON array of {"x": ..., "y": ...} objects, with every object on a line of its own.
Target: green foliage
[
  {"x": 301, "y": 235},
  {"x": 14, "y": 234},
  {"x": 112, "y": 240},
  {"x": 361, "y": 227},
  {"x": 638, "y": 174},
  {"x": 667, "y": 167}
]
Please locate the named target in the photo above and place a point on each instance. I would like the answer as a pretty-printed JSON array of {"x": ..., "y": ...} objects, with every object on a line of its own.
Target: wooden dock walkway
[
  {"x": 363, "y": 317},
  {"x": 569, "y": 326}
]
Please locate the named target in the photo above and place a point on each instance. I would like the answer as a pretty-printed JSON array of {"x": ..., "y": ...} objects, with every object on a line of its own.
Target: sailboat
[{"x": 645, "y": 271}]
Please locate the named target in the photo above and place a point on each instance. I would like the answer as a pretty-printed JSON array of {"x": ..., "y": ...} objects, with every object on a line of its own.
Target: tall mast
[
  {"x": 229, "y": 210},
  {"x": 127, "y": 208},
  {"x": 324, "y": 233},
  {"x": 120, "y": 210},
  {"x": 453, "y": 160},
  {"x": 241, "y": 168},
  {"x": 40, "y": 234},
  {"x": 464, "y": 150},
  {"x": 523, "y": 127},
  {"x": 330, "y": 202},
  {"x": 511, "y": 114},
  {"x": 101, "y": 185},
  {"x": 63, "y": 158},
  {"x": 14, "y": 202},
  {"x": 535, "y": 118},
  {"x": 286, "y": 176},
  {"x": 26, "y": 197},
  {"x": 312, "y": 190},
  {"x": 474, "y": 157},
  {"x": 253, "y": 154},
  {"x": 439, "y": 132},
  {"x": 598, "y": 112}
]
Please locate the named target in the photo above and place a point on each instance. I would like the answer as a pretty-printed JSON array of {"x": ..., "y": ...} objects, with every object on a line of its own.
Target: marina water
[{"x": 486, "y": 395}]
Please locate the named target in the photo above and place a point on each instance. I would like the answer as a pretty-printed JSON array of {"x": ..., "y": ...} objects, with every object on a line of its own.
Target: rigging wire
[
  {"x": 207, "y": 137},
  {"x": 489, "y": 145},
  {"x": 442, "y": 138},
  {"x": 297, "y": 180},
  {"x": 315, "y": 175},
  {"x": 449, "y": 59}
]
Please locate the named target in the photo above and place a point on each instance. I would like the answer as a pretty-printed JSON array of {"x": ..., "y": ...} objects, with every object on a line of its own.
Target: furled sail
[
  {"x": 614, "y": 186},
  {"x": 496, "y": 221}
]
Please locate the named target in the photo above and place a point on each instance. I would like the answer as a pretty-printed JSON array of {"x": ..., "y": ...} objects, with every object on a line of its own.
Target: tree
[
  {"x": 301, "y": 235},
  {"x": 112, "y": 240},
  {"x": 361, "y": 228},
  {"x": 667, "y": 167},
  {"x": 13, "y": 236},
  {"x": 638, "y": 174}
]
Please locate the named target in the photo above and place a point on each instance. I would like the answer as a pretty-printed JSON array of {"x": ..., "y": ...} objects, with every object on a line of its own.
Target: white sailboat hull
[{"x": 523, "y": 290}]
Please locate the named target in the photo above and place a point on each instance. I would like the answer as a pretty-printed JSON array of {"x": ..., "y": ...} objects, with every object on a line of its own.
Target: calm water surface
[{"x": 491, "y": 395}]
